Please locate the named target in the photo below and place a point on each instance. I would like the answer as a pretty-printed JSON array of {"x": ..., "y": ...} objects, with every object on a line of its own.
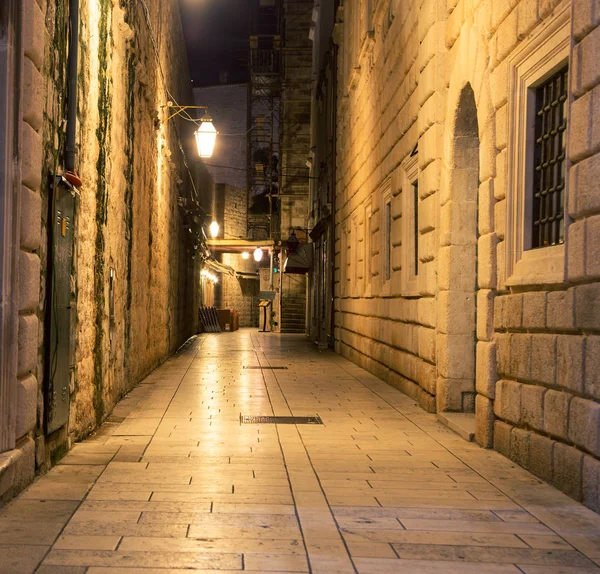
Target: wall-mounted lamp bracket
[{"x": 180, "y": 109}]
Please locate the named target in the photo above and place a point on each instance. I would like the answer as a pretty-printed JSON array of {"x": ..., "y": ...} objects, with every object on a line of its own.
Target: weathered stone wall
[
  {"x": 127, "y": 219},
  {"x": 431, "y": 87},
  {"x": 295, "y": 108},
  {"x": 25, "y": 84},
  {"x": 235, "y": 211},
  {"x": 241, "y": 293},
  {"x": 132, "y": 171},
  {"x": 236, "y": 292}
]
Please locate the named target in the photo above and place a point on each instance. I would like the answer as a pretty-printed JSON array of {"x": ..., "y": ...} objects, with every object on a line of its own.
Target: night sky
[{"x": 216, "y": 33}]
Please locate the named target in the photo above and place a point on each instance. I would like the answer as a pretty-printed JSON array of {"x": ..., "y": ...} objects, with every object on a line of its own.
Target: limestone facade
[
  {"x": 131, "y": 289},
  {"x": 439, "y": 289}
]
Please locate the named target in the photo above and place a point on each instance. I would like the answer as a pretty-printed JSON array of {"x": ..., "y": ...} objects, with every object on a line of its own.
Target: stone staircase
[{"x": 293, "y": 313}]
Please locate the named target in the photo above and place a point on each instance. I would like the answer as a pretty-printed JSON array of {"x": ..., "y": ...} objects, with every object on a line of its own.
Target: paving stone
[
  {"x": 380, "y": 478},
  {"x": 187, "y": 560},
  {"x": 493, "y": 555},
  {"x": 20, "y": 559}
]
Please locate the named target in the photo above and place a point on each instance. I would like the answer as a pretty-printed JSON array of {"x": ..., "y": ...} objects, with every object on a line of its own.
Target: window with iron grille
[
  {"x": 415, "y": 190},
  {"x": 387, "y": 272},
  {"x": 549, "y": 161}
]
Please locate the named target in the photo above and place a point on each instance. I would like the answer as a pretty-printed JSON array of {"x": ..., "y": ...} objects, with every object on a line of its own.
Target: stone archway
[{"x": 458, "y": 266}]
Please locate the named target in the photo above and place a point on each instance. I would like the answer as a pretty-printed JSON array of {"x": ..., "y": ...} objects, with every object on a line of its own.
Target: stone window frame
[
  {"x": 388, "y": 17},
  {"x": 534, "y": 62},
  {"x": 358, "y": 39},
  {"x": 385, "y": 228},
  {"x": 343, "y": 260},
  {"x": 355, "y": 288},
  {"x": 368, "y": 251},
  {"x": 350, "y": 59},
  {"x": 409, "y": 173}
]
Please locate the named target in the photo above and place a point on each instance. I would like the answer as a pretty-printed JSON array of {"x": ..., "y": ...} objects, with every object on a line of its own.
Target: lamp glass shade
[
  {"x": 206, "y": 136},
  {"x": 214, "y": 229},
  {"x": 258, "y": 253}
]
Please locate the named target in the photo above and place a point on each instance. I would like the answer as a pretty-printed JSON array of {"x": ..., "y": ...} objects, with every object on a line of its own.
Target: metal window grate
[
  {"x": 316, "y": 420},
  {"x": 549, "y": 160}
]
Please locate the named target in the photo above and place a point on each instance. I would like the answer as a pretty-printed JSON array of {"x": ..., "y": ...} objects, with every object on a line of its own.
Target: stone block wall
[
  {"x": 241, "y": 293},
  {"x": 17, "y": 466},
  {"x": 237, "y": 292},
  {"x": 235, "y": 211},
  {"x": 436, "y": 83},
  {"x": 128, "y": 223},
  {"x": 294, "y": 124},
  {"x": 547, "y": 401},
  {"x": 128, "y": 216}
]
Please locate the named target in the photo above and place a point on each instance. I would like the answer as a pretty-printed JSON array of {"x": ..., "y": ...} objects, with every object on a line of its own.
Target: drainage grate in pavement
[
  {"x": 282, "y": 420},
  {"x": 285, "y": 368}
]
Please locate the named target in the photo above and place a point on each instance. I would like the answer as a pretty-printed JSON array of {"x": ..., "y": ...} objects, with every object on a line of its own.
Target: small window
[
  {"x": 536, "y": 167},
  {"x": 409, "y": 178},
  {"x": 387, "y": 241},
  {"x": 355, "y": 258},
  {"x": 415, "y": 193},
  {"x": 368, "y": 254},
  {"x": 548, "y": 223}
]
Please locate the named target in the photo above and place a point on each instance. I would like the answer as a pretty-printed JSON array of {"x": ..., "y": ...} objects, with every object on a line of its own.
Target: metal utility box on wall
[{"x": 58, "y": 296}]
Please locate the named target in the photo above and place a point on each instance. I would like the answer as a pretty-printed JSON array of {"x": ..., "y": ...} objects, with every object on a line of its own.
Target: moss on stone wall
[
  {"x": 103, "y": 137},
  {"x": 129, "y": 171}
]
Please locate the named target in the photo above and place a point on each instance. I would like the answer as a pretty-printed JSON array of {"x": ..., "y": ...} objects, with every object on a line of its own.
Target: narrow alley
[{"x": 175, "y": 480}]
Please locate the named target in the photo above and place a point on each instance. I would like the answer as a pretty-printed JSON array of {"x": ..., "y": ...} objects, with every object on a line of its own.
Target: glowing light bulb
[
  {"x": 258, "y": 253},
  {"x": 206, "y": 136},
  {"x": 245, "y": 255},
  {"x": 214, "y": 229}
]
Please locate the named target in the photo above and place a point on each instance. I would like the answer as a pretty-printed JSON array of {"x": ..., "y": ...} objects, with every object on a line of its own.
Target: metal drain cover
[
  {"x": 283, "y": 368},
  {"x": 316, "y": 420}
]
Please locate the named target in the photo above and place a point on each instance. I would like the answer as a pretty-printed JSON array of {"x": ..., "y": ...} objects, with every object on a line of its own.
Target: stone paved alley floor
[{"x": 174, "y": 483}]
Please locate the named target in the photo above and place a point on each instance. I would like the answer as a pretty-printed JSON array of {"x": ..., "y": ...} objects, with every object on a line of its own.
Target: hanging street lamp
[{"x": 206, "y": 136}]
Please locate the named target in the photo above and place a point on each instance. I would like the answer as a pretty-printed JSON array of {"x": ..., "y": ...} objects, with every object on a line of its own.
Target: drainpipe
[{"x": 70, "y": 149}]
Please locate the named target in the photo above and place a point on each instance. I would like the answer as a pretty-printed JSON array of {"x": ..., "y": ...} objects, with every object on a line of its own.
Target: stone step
[{"x": 461, "y": 423}]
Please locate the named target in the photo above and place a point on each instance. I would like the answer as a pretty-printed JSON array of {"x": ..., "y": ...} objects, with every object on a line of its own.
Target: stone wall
[
  {"x": 236, "y": 292},
  {"x": 430, "y": 96},
  {"x": 130, "y": 246},
  {"x": 235, "y": 208},
  {"x": 241, "y": 293},
  {"x": 20, "y": 381},
  {"x": 295, "y": 110}
]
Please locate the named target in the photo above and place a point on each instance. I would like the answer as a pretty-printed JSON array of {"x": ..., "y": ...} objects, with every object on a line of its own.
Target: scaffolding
[
  {"x": 264, "y": 100},
  {"x": 279, "y": 99}
]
